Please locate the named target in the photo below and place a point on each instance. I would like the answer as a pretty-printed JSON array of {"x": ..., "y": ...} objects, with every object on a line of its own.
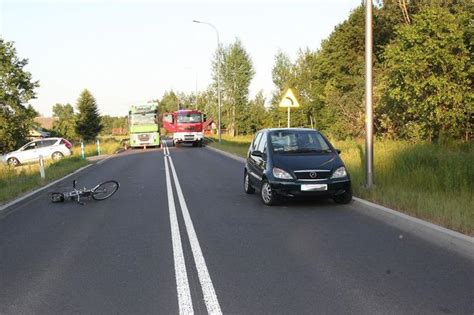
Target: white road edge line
[
  {"x": 210, "y": 298},
  {"x": 182, "y": 285}
]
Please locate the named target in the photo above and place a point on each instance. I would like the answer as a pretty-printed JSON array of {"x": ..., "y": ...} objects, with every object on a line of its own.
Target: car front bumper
[{"x": 294, "y": 188}]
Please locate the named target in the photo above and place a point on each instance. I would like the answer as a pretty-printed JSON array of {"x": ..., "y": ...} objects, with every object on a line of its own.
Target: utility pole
[
  {"x": 196, "y": 90},
  {"x": 369, "y": 123}
]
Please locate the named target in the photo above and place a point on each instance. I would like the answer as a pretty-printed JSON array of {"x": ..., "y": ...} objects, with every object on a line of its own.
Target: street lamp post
[
  {"x": 369, "y": 144},
  {"x": 218, "y": 76}
]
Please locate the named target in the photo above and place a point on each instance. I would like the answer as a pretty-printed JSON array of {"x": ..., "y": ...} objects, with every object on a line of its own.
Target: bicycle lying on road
[{"x": 100, "y": 192}]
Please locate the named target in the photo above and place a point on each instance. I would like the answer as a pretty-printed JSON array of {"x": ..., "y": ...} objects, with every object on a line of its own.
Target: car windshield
[
  {"x": 189, "y": 118},
  {"x": 299, "y": 142}
]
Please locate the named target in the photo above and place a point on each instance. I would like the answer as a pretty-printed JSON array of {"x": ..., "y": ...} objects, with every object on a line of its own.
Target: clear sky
[{"x": 132, "y": 51}]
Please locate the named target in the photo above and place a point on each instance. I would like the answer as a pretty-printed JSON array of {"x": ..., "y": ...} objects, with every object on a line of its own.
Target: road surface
[{"x": 180, "y": 235}]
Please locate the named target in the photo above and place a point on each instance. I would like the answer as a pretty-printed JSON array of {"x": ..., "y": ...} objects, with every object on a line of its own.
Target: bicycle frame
[{"x": 78, "y": 193}]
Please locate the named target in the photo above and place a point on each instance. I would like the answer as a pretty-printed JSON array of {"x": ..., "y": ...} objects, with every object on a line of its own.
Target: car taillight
[{"x": 66, "y": 143}]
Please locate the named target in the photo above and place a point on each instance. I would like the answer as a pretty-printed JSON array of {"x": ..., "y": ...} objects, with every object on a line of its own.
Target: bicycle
[{"x": 101, "y": 191}]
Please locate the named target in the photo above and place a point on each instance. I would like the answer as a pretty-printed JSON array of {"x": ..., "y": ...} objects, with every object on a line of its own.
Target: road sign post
[
  {"x": 41, "y": 164},
  {"x": 289, "y": 117},
  {"x": 289, "y": 100},
  {"x": 98, "y": 147}
]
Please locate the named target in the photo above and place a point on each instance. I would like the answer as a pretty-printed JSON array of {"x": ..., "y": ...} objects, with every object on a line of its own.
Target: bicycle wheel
[
  {"x": 56, "y": 197},
  {"x": 105, "y": 190}
]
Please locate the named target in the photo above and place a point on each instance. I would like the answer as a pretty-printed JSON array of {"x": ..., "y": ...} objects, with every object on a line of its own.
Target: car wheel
[
  {"x": 247, "y": 186},
  {"x": 56, "y": 156},
  {"x": 343, "y": 198},
  {"x": 269, "y": 197},
  {"x": 13, "y": 162}
]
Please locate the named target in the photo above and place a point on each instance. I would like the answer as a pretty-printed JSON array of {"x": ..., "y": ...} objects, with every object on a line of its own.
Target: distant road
[{"x": 181, "y": 235}]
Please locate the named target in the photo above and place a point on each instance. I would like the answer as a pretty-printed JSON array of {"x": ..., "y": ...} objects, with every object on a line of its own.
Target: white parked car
[{"x": 49, "y": 148}]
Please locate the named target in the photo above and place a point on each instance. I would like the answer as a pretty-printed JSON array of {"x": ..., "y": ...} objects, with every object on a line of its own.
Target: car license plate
[{"x": 314, "y": 187}]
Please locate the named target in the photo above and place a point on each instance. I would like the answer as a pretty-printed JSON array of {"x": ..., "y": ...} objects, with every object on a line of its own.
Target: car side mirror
[
  {"x": 338, "y": 151},
  {"x": 257, "y": 153}
]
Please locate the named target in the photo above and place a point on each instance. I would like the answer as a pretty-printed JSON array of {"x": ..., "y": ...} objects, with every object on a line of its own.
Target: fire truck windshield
[{"x": 189, "y": 118}]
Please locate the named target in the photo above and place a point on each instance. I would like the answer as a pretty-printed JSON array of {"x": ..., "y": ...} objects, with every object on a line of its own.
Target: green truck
[{"x": 144, "y": 130}]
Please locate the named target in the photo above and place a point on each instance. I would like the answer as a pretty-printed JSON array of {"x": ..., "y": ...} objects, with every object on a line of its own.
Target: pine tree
[{"x": 88, "y": 123}]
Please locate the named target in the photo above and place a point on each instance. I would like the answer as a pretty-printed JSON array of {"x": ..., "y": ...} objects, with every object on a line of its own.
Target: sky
[{"x": 128, "y": 52}]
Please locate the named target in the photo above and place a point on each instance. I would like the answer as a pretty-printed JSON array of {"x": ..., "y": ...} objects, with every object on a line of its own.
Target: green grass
[
  {"x": 16, "y": 181},
  {"x": 109, "y": 146},
  {"x": 429, "y": 181},
  {"x": 237, "y": 145}
]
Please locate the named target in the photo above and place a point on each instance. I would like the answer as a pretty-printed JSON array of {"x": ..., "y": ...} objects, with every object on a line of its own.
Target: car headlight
[
  {"x": 279, "y": 173},
  {"x": 340, "y": 172}
]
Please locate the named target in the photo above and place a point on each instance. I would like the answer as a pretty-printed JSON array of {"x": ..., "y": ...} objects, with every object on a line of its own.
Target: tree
[
  {"x": 428, "y": 90},
  {"x": 255, "y": 118},
  {"x": 110, "y": 123},
  {"x": 88, "y": 123},
  {"x": 283, "y": 77},
  {"x": 169, "y": 102},
  {"x": 236, "y": 74},
  {"x": 283, "y": 72},
  {"x": 341, "y": 73},
  {"x": 64, "y": 122},
  {"x": 16, "y": 90},
  {"x": 207, "y": 102}
]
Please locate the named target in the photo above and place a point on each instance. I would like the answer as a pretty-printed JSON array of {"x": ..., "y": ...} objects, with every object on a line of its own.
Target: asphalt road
[{"x": 181, "y": 235}]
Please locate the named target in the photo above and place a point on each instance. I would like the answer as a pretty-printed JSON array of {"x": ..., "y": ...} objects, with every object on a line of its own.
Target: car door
[
  {"x": 29, "y": 152},
  {"x": 261, "y": 161},
  {"x": 47, "y": 148},
  {"x": 252, "y": 160}
]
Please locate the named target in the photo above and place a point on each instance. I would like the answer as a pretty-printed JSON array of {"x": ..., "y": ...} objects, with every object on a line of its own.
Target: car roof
[
  {"x": 288, "y": 129},
  {"x": 51, "y": 138}
]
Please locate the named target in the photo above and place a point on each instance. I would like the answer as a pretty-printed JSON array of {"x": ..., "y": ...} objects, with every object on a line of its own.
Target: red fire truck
[{"x": 186, "y": 126}]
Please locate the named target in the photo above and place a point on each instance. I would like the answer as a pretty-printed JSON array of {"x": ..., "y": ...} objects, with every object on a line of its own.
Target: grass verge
[
  {"x": 19, "y": 180},
  {"x": 109, "y": 146},
  {"x": 237, "y": 145},
  {"x": 428, "y": 181}
]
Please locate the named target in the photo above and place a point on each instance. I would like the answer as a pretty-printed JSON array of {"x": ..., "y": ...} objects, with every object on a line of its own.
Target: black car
[{"x": 291, "y": 162}]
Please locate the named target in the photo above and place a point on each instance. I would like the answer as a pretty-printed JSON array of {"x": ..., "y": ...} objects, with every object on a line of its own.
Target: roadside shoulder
[
  {"x": 461, "y": 243},
  {"x": 439, "y": 235},
  {"x": 229, "y": 155}
]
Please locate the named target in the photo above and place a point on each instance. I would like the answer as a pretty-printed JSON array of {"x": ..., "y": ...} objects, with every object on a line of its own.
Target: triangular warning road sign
[{"x": 289, "y": 99}]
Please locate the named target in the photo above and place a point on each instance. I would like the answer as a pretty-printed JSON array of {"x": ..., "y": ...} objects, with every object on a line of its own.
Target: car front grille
[{"x": 313, "y": 174}]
